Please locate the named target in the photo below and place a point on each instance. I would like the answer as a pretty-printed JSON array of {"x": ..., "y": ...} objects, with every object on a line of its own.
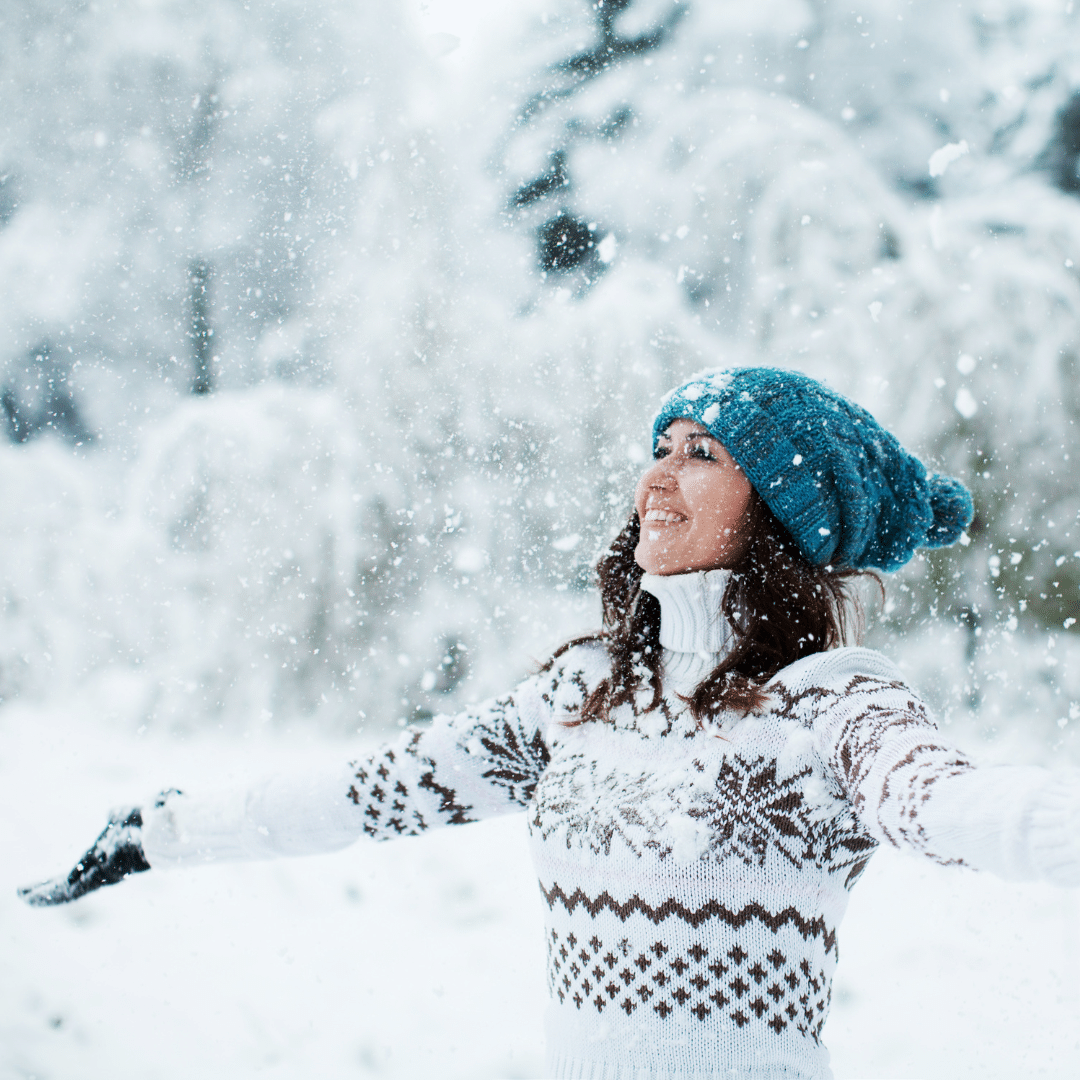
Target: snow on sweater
[{"x": 694, "y": 877}]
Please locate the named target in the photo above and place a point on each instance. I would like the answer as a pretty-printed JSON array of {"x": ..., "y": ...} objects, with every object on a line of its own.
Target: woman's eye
[
  {"x": 701, "y": 452},
  {"x": 660, "y": 452}
]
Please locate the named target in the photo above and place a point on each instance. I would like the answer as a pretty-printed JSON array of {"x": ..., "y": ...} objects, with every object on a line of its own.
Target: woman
[{"x": 705, "y": 779}]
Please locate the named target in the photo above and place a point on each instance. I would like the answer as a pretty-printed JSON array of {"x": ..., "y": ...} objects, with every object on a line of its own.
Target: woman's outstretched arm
[
  {"x": 912, "y": 789},
  {"x": 483, "y": 762}
]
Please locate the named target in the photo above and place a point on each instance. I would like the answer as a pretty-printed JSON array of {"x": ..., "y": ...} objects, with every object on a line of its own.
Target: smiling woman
[{"x": 707, "y": 777}]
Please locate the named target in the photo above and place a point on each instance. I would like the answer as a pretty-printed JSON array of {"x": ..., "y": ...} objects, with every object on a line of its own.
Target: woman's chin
[
  {"x": 660, "y": 564},
  {"x": 649, "y": 561}
]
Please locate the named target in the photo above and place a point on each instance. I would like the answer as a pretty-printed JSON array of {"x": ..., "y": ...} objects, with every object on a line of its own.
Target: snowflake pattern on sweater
[{"x": 694, "y": 876}]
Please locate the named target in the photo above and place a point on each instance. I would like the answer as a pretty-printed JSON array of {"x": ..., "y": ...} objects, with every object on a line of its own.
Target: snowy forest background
[{"x": 329, "y": 340}]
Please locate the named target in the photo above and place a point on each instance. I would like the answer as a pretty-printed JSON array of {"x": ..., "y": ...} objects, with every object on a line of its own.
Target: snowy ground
[{"x": 423, "y": 958}]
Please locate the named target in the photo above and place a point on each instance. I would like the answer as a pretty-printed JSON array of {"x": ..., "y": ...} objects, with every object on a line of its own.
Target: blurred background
[{"x": 330, "y": 335}]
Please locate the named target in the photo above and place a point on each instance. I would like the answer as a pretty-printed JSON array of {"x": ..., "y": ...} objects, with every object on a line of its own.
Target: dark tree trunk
[{"x": 201, "y": 331}]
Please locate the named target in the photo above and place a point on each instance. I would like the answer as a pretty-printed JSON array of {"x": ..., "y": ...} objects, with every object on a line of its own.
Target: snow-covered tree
[{"x": 175, "y": 184}]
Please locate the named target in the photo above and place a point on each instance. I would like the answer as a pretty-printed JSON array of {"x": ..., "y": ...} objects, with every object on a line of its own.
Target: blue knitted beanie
[{"x": 842, "y": 486}]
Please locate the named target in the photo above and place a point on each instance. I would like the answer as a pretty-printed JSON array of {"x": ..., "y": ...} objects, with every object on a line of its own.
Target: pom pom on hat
[
  {"x": 953, "y": 510},
  {"x": 842, "y": 486}
]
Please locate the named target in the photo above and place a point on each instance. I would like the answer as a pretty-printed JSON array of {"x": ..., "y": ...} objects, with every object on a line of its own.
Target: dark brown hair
[{"x": 780, "y": 608}]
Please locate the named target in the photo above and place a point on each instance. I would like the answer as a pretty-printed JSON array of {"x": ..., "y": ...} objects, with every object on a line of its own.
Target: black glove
[{"x": 116, "y": 853}]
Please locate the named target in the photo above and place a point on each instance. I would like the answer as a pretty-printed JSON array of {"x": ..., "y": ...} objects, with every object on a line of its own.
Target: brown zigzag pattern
[{"x": 808, "y": 928}]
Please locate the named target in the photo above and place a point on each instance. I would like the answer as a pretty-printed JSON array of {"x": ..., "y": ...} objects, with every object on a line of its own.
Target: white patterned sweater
[{"x": 694, "y": 877}]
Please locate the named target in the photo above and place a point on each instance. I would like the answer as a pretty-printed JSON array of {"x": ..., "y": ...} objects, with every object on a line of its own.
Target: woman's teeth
[{"x": 664, "y": 515}]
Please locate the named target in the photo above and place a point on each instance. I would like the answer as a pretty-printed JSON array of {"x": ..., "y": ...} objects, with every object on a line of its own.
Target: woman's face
[{"x": 693, "y": 502}]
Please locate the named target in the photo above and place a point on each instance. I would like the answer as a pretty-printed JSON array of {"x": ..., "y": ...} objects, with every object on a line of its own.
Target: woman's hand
[{"x": 116, "y": 853}]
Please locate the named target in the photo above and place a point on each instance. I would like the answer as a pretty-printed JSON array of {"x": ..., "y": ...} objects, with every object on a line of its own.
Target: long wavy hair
[{"x": 780, "y": 607}]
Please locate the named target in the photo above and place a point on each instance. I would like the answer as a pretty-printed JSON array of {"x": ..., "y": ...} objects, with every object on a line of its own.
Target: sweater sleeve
[
  {"x": 482, "y": 762},
  {"x": 912, "y": 789}
]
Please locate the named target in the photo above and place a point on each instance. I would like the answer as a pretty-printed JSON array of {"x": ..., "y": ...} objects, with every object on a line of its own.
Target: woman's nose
[{"x": 658, "y": 477}]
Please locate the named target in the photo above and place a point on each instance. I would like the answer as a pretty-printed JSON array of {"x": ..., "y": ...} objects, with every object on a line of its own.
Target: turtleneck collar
[{"x": 690, "y": 617}]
